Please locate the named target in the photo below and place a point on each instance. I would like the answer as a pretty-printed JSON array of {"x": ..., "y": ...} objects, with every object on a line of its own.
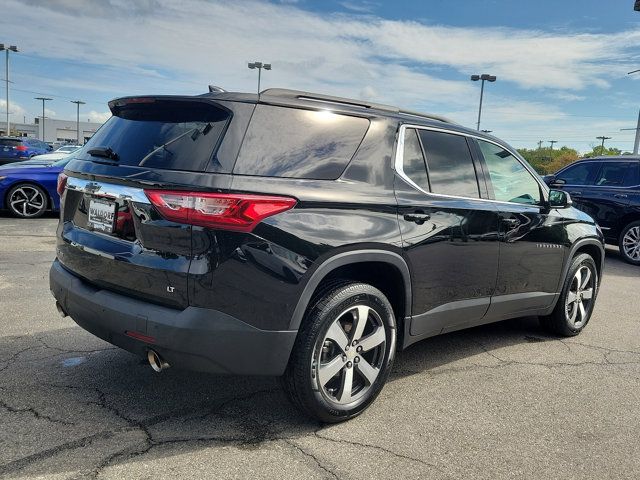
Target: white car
[{"x": 59, "y": 154}]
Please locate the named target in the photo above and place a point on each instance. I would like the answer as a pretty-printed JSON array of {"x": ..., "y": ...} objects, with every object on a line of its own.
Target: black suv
[
  {"x": 608, "y": 189},
  {"x": 308, "y": 237}
]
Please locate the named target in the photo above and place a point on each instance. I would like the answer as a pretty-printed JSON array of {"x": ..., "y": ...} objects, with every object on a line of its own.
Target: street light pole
[
  {"x": 12, "y": 48},
  {"x": 44, "y": 99},
  {"x": 603, "y": 138},
  {"x": 552, "y": 142},
  {"x": 484, "y": 77},
  {"x": 259, "y": 66},
  {"x": 78, "y": 103}
]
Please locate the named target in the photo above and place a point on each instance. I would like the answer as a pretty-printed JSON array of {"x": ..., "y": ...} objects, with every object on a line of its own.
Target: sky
[{"x": 561, "y": 66}]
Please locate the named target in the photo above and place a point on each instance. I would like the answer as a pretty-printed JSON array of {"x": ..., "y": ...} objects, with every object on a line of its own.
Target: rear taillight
[
  {"x": 22, "y": 148},
  {"x": 236, "y": 212},
  {"x": 62, "y": 183}
]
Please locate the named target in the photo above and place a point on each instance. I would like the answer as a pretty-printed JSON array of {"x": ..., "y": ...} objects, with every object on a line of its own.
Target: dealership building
[{"x": 55, "y": 130}]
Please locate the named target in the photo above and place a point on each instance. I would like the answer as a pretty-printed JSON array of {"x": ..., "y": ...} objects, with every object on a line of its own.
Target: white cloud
[
  {"x": 160, "y": 46},
  {"x": 98, "y": 117},
  {"x": 49, "y": 113},
  {"x": 16, "y": 111}
]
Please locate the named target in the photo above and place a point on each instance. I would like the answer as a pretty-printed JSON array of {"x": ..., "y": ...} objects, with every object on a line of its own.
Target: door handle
[
  {"x": 511, "y": 222},
  {"x": 620, "y": 195},
  {"x": 575, "y": 194},
  {"x": 418, "y": 218}
]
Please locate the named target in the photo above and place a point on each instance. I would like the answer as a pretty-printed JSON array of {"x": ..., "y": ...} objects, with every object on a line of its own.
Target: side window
[
  {"x": 632, "y": 178},
  {"x": 413, "y": 159},
  {"x": 511, "y": 181},
  {"x": 295, "y": 143},
  {"x": 449, "y": 164},
  {"x": 580, "y": 174},
  {"x": 612, "y": 174}
]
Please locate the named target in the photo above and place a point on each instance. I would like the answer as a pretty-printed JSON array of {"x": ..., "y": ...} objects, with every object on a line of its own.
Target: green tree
[
  {"x": 599, "y": 151},
  {"x": 546, "y": 160}
]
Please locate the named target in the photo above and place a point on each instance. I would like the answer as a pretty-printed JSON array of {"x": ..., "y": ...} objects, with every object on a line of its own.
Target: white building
[{"x": 55, "y": 130}]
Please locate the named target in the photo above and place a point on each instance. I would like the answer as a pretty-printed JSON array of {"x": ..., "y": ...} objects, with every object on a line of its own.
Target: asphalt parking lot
[{"x": 499, "y": 401}]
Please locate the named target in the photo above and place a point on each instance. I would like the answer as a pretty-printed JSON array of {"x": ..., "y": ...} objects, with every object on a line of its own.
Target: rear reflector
[
  {"x": 140, "y": 336},
  {"x": 62, "y": 183},
  {"x": 227, "y": 211}
]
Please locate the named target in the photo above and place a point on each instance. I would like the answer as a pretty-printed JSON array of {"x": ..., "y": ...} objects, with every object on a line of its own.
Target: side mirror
[
  {"x": 548, "y": 179},
  {"x": 559, "y": 199}
]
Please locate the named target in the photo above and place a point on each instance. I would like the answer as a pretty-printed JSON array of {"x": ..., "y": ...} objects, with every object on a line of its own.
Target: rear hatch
[
  {"x": 110, "y": 233},
  {"x": 11, "y": 148}
]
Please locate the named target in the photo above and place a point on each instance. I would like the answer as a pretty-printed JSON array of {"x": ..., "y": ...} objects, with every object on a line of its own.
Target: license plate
[{"x": 101, "y": 215}]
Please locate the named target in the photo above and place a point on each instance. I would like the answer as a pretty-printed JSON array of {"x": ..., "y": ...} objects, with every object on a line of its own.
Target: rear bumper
[{"x": 194, "y": 338}]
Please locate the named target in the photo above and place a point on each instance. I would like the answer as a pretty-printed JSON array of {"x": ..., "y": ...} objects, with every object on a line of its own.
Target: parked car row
[
  {"x": 28, "y": 187},
  {"x": 15, "y": 149}
]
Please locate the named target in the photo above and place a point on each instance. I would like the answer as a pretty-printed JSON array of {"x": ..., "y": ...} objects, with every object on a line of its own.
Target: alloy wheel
[
  {"x": 631, "y": 243},
  {"x": 579, "y": 297},
  {"x": 351, "y": 355},
  {"x": 27, "y": 201}
]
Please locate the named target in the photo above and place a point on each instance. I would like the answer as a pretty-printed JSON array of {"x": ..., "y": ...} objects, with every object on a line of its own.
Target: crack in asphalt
[
  {"x": 383, "y": 449},
  {"x": 312, "y": 457},
  {"x": 35, "y": 413}
]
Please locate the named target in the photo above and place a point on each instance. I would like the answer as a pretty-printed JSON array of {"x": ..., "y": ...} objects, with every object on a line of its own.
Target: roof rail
[{"x": 318, "y": 97}]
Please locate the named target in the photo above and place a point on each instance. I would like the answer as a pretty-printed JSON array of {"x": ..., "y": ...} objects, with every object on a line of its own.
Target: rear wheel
[
  {"x": 630, "y": 243},
  {"x": 577, "y": 299},
  {"x": 343, "y": 354},
  {"x": 26, "y": 200}
]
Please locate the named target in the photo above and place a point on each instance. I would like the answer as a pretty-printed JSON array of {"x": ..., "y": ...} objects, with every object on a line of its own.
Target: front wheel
[
  {"x": 343, "y": 354},
  {"x": 577, "y": 299},
  {"x": 630, "y": 243},
  {"x": 27, "y": 200}
]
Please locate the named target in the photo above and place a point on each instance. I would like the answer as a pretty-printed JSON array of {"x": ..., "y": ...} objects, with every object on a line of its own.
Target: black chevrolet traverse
[{"x": 308, "y": 237}]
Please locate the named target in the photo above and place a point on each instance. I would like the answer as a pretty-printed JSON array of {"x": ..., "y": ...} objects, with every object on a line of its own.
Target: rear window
[
  {"x": 9, "y": 142},
  {"x": 171, "y": 135},
  {"x": 288, "y": 142}
]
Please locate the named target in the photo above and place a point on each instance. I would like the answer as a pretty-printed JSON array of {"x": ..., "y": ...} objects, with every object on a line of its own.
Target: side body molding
[{"x": 348, "y": 258}]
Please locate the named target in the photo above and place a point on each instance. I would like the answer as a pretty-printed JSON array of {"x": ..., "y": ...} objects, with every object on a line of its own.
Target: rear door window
[
  {"x": 449, "y": 164},
  {"x": 413, "y": 160},
  {"x": 165, "y": 134},
  {"x": 612, "y": 174},
  {"x": 295, "y": 143},
  {"x": 9, "y": 142}
]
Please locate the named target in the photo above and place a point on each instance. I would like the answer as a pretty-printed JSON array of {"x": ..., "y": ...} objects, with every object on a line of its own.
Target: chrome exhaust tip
[
  {"x": 156, "y": 361},
  {"x": 61, "y": 311}
]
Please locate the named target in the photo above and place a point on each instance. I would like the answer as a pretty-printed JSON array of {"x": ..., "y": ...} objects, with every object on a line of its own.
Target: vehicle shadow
[{"x": 77, "y": 404}]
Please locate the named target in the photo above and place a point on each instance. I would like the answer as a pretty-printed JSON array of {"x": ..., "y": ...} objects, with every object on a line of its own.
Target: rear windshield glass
[
  {"x": 287, "y": 142},
  {"x": 171, "y": 135},
  {"x": 9, "y": 142}
]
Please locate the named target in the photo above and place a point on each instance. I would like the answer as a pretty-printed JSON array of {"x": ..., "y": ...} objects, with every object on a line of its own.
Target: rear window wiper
[{"x": 104, "y": 152}]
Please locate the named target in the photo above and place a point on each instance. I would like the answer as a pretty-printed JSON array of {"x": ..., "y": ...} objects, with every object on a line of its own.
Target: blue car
[
  {"x": 16, "y": 149},
  {"x": 28, "y": 191}
]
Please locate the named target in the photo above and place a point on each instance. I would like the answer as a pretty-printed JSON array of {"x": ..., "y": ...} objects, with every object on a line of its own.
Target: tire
[
  {"x": 325, "y": 359},
  {"x": 575, "y": 305},
  {"x": 27, "y": 200},
  {"x": 629, "y": 243}
]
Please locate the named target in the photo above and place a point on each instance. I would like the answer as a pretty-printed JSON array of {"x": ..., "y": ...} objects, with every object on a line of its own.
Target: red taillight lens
[
  {"x": 236, "y": 212},
  {"x": 21, "y": 148},
  {"x": 62, "y": 183}
]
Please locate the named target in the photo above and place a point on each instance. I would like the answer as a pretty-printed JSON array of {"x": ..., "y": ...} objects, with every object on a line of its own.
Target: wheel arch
[
  {"x": 591, "y": 246},
  {"x": 626, "y": 220},
  {"x": 354, "y": 265}
]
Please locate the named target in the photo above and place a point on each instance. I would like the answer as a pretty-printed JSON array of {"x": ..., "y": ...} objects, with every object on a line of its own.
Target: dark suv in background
[
  {"x": 608, "y": 189},
  {"x": 308, "y": 237}
]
